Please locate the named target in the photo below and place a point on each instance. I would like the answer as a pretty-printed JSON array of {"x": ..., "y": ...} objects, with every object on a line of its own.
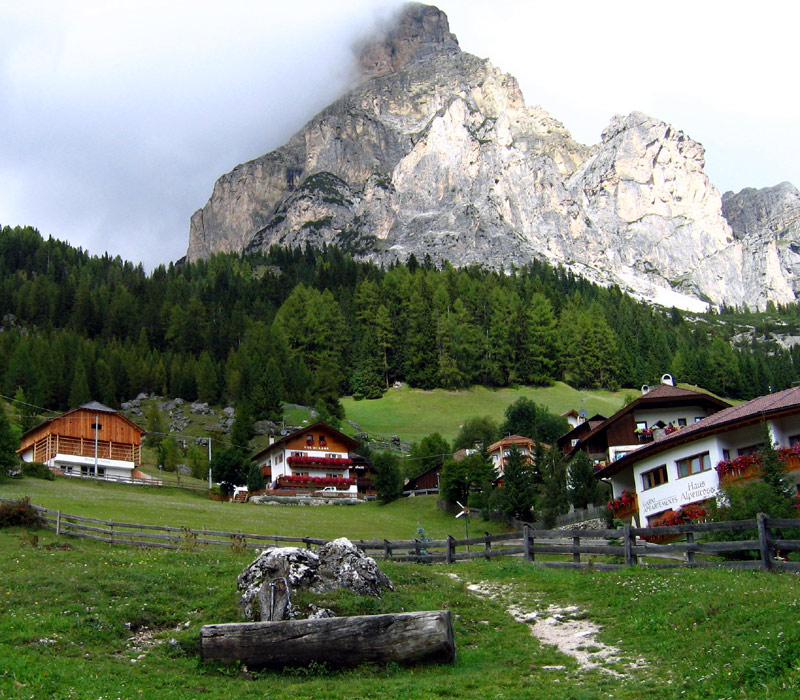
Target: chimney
[
  {"x": 667, "y": 379},
  {"x": 272, "y": 439}
]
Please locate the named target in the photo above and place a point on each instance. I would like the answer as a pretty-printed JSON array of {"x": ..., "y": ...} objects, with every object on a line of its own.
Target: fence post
[
  {"x": 763, "y": 541},
  {"x": 488, "y": 546},
  {"x": 526, "y": 542},
  {"x": 387, "y": 549},
  {"x": 449, "y": 556},
  {"x": 111, "y": 530},
  {"x": 58, "y": 523},
  {"x": 630, "y": 557},
  {"x": 576, "y": 555},
  {"x": 690, "y": 555},
  {"x": 416, "y": 548}
]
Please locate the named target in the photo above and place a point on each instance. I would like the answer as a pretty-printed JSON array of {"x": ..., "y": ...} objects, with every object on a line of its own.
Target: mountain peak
[{"x": 415, "y": 33}]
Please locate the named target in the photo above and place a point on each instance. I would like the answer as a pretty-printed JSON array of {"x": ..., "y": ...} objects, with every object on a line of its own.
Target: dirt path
[{"x": 566, "y": 628}]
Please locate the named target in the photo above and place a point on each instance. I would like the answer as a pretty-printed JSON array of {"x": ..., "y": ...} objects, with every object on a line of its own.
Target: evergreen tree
[
  {"x": 388, "y": 480},
  {"x": 461, "y": 478},
  {"x": 554, "y": 498},
  {"x": 154, "y": 426},
  {"x": 8, "y": 443},
  {"x": 79, "y": 392},
  {"x": 430, "y": 452},
  {"x": 268, "y": 392},
  {"x": 242, "y": 430},
  {"x": 476, "y": 431},
  {"x": 207, "y": 381},
  {"x": 539, "y": 344},
  {"x": 169, "y": 455},
  {"x": 525, "y": 417},
  {"x": 583, "y": 485},
  {"x": 229, "y": 467},
  {"x": 26, "y": 413},
  {"x": 518, "y": 493},
  {"x": 255, "y": 479},
  {"x": 197, "y": 460},
  {"x": 772, "y": 475}
]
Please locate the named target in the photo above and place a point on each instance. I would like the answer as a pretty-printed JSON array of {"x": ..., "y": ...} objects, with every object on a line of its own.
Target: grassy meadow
[
  {"x": 179, "y": 508},
  {"x": 414, "y": 413},
  {"x": 84, "y": 620}
]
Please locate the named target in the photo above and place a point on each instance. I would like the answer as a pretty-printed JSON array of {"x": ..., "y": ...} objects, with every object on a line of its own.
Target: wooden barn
[{"x": 91, "y": 440}]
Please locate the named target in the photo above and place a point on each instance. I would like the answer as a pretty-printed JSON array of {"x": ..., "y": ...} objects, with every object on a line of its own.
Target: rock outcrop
[
  {"x": 435, "y": 153},
  {"x": 267, "y": 584}
]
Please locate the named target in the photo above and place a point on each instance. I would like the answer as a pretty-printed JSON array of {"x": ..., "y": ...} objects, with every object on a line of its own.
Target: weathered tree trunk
[{"x": 335, "y": 641}]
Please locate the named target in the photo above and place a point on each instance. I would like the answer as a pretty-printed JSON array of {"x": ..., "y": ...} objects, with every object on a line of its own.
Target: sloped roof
[
  {"x": 786, "y": 401},
  {"x": 663, "y": 394},
  {"x": 349, "y": 442},
  {"x": 97, "y": 406},
  {"x": 94, "y": 406}
]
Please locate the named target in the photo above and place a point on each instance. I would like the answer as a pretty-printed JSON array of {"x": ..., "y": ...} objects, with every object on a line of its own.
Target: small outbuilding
[{"x": 90, "y": 440}]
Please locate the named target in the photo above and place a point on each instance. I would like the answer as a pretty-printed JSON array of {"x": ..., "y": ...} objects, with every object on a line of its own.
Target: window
[
  {"x": 693, "y": 465},
  {"x": 297, "y": 454},
  {"x": 654, "y": 477},
  {"x": 697, "y": 419},
  {"x": 793, "y": 440},
  {"x": 726, "y": 454},
  {"x": 641, "y": 425},
  {"x": 681, "y": 421},
  {"x": 84, "y": 471},
  {"x": 309, "y": 439},
  {"x": 749, "y": 450},
  {"x": 322, "y": 440},
  {"x": 101, "y": 471}
]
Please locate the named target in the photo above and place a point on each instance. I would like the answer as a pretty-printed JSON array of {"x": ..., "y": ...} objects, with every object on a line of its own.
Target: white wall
[{"x": 667, "y": 415}]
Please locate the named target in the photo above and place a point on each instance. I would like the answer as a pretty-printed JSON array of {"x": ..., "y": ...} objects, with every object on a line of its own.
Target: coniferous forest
[{"x": 308, "y": 326}]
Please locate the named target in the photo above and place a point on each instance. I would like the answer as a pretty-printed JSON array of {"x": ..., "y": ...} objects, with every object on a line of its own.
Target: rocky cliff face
[{"x": 435, "y": 152}]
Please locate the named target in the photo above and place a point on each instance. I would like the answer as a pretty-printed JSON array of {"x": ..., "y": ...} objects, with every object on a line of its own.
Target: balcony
[
  {"x": 625, "y": 506},
  {"x": 748, "y": 467},
  {"x": 326, "y": 462}
]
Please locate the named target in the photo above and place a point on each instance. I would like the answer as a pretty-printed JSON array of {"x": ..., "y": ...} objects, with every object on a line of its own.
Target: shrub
[
  {"x": 19, "y": 512},
  {"x": 37, "y": 470}
]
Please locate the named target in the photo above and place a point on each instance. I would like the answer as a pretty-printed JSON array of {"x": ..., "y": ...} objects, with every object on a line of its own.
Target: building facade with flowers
[
  {"x": 315, "y": 457},
  {"x": 667, "y": 480},
  {"x": 657, "y": 413}
]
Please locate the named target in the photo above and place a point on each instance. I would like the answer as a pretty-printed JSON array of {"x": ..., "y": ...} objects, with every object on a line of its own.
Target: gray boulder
[{"x": 267, "y": 584}]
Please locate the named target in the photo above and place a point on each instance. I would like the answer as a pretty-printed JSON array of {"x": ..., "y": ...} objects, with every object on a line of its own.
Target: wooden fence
[{"x": 620, "y": 547}]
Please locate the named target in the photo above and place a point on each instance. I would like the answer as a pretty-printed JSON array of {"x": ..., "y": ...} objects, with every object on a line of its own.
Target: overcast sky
[{"x": 117, "y": 117}]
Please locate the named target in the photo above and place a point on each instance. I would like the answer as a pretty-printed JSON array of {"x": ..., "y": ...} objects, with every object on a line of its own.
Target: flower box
[{"x": 625, "y": 506}]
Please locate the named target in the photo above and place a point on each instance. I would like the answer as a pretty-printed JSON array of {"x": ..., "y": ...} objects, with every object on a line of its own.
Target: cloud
[{"x": 117, "y": 118}]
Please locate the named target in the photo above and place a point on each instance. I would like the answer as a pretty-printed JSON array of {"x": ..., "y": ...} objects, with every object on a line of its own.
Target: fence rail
[{"x": 626, "y": 546}]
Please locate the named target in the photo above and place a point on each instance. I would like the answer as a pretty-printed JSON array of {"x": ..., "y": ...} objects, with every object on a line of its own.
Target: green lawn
[
  {"x": 413, "y": 413},
  {"x": 155, "y": 506},
  {"x": 86, "y": 621}
]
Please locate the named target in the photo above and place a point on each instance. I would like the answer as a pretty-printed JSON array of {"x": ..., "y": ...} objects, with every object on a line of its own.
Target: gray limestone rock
[
  {"x": 435, "y": 153},
  {"x": 268, "y": 582}
]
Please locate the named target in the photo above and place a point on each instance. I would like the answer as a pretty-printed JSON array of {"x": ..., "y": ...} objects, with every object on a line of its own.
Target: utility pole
[
  {"x": 210, "y": 485},
  {"x": 96, "y": 419}
]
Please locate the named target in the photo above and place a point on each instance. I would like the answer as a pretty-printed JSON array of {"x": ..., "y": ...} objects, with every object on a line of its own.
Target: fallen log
[{"x": 404, "y": 638}]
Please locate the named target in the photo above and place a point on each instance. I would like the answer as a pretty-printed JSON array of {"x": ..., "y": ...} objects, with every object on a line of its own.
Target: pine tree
[
  {"x": 518, "y": 493},
  {"x": 583, "y": 485},
  {"x": 79, "y": 393},
  {"x": 8, "y": 443},
  {"x": 388, "y": 481},
  {"x": 255, "y": 479},
  {"x": 554, "y": 499},
  {"x": 155, "y": 426}
]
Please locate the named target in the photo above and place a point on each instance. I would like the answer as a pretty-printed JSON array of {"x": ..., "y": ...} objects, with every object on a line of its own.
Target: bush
[
  {"x": 19, "y": 512},
  {"x": 37, "y": 470}
]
